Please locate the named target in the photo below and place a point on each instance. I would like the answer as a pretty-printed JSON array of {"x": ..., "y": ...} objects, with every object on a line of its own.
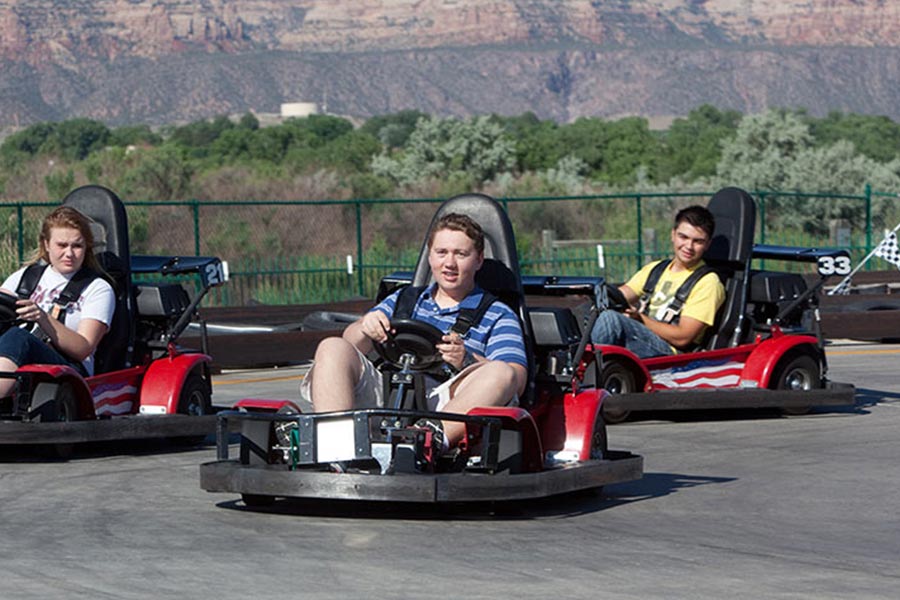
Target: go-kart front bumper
[{"x": 261, "y": 472}]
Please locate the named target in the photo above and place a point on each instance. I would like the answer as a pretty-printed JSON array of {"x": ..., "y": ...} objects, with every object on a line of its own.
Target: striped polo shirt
[{"x": 497, "y": 337}]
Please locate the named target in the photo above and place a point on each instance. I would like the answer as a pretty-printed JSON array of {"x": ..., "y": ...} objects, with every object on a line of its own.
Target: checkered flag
[{"x": 889, "y": 250}]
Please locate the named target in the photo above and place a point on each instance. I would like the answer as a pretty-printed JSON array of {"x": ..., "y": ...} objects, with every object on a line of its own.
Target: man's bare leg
[
  {"x": 492, "y": 384},
  {"x": 337, "y": 371}
]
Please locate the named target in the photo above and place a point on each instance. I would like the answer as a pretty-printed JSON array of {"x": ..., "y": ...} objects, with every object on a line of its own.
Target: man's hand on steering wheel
[
  {"x": 452, "y": 350},
  {"x": 375, "y": 325}
]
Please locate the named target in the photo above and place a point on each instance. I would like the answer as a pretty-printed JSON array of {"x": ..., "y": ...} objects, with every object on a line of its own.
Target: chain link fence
[{"x": 322, "y": 251}]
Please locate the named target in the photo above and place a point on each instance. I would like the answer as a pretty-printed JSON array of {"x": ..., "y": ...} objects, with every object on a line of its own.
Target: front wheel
[
  {"x": 55, "y": 403},
  {"x": 801, "y": 373},
  {"x": 195, "y": 401},
  {"x": 616, "y": 378}
]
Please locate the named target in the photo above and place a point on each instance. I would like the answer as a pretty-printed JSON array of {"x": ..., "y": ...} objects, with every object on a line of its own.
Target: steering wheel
[
  {"x": 615, "y": 299},
  {"x": 414, "y": 338},
  {"x": 8, "y": 315}
]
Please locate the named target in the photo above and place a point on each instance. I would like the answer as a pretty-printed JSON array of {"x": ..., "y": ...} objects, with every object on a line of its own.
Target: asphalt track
[{"x": 732, "y": 505}]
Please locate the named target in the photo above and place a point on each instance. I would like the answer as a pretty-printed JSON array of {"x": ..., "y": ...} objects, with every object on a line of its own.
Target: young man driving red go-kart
[
  {"x": 670, "y": 303},
  {"x": 751, "y": 341},
  {"x": 467, "y": 400},
  {"x": 487, "y": 355}
]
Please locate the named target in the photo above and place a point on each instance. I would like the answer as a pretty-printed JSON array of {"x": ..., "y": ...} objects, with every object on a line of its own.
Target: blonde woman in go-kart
[
  {"x": 68, "y": 334},
  {"x": 492, "y": 353}
]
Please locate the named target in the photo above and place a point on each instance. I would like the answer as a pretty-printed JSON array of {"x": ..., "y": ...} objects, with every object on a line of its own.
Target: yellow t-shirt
[{"x": 702, "y": 303}]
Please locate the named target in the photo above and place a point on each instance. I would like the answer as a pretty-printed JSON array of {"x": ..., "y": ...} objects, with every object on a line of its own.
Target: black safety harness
[
  {"x": 70, "y": 294},
  {"x": 673, "y": 312},
  {"x": 465, "y": 320}
]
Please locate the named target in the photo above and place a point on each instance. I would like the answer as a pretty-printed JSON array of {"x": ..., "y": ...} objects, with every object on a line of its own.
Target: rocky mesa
[{"x": 164, "y": 61}]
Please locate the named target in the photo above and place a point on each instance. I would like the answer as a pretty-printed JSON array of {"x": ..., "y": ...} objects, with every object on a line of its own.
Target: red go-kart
[
  {"x": 144, "y": 385},
  {"x": 766, "y": 347},
  {"x": 552, "y": 443}
]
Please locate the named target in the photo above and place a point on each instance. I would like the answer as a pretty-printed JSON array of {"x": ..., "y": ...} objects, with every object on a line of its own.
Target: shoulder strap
[
  {"x": 684, "y": 290},
  {"x": 468, "y": 317},
  {"x": 76, "y": 285},
  {"x": 406, "y": 301},
  {"x": 651, "y": 282},
  {"x": 30, "y": 279}
]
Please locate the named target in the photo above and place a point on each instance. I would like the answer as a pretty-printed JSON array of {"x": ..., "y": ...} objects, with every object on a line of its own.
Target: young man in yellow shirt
[{"x": 651, "y": 326}]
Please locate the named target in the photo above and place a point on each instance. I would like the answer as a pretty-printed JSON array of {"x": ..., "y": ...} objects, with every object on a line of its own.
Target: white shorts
[{"x": 368, "y": 392}]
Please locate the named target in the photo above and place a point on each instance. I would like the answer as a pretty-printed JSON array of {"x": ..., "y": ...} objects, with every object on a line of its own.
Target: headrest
[
  {"x": 499, "y": 241},
  {"x": 735, "y": 214},
  {"x": 110, "y": 227}
]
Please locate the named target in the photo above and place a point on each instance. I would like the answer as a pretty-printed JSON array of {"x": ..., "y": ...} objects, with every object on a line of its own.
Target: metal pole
[
  {"x": 868, "y": 217},
  {"x": 196, "y": 210},
  {"x": 21, "y": 241},
  {"x": 640, "y": 229},
  {"x": 359, "y": 249}
]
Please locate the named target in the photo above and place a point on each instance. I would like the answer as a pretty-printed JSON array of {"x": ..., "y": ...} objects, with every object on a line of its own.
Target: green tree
[
  {"x": 134, "y": 135},
  {"x": 393, "y": 130},
  {"x": 877, "y": 137},
  {"x": 693, "y": 145},
  {"x": 763, "y": 145},
  {"x": 472, "y": 151},
  {"x": 162, "y": 173}
]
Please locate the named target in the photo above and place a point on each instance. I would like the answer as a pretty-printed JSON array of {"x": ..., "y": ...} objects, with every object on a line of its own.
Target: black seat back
[
  {"x": 500, "y": 272},
  {"x": 729, "y": 254},
  {"x": 110, "y": 229}
]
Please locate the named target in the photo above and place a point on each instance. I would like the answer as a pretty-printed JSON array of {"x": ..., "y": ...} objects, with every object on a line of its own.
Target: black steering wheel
[
  {"x": 416, "y": 340},
  {"x": 8, "y": 315},
  {"x": 615, "y": 299}
]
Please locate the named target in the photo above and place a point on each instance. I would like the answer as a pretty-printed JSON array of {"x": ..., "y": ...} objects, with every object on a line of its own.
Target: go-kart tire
[
  {"x": 194, "y": 401},
  {"x": 63, "y": 408},
  {"x": 616, "y": 378},
  {"x": 798, "y": 373},
  {"x": 257, "y": 500}
]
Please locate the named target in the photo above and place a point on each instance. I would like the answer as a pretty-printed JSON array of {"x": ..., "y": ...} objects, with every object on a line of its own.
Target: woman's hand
[{"x": 30, "y": 312}]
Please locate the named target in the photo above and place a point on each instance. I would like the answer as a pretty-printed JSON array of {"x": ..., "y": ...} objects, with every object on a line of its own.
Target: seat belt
[{"x": 681, "y": 295}]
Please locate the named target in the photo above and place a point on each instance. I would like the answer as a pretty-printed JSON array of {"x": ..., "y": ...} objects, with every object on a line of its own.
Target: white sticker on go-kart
[
  {"x": 334, "y": 440},
  {"x": 834, "y": 265}
]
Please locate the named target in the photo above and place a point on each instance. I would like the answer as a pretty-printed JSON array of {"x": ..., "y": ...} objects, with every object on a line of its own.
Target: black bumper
[
  {"x": 278, "y": 481},
  {"x": 102, "y": 430},
  {"x": 835, "y": 394}
]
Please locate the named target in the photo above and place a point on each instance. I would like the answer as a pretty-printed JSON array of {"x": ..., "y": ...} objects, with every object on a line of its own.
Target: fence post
[
  {"x": 21, "y": 241},
  {"x": 195, "y": 208},
  {"x": 868, "y": 218},
  {"x": 640, "y": 229},
  {"x": 762, "y": 217},
  {"x": 359, "y": 249}
]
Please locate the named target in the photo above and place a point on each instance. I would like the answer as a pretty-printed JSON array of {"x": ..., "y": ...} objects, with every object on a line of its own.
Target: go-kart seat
[
  {"x": 500, "y": 272},
  {"x": 110, "y": 230},
  {"x": 729, "y": 255}
]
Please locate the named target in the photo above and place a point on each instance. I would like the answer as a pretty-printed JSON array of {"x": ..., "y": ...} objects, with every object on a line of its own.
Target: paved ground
[{"x": 739, "y": 505}]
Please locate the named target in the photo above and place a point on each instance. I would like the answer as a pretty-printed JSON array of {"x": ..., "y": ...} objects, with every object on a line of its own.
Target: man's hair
[
  {"x": 458, "y": 222},
  {"x": 66, "y": 217},
  {"x": 699, "y": 217}
]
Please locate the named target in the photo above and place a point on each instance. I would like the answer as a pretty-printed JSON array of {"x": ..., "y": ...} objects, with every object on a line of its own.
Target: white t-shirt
[{"x": 97, "y": 300}]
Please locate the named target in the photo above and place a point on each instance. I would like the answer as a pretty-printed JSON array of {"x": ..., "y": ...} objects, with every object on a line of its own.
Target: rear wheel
[
  {"x": 194, "y": 401},
  {"x": 616, "y": 378},
  {"x": 800, "y": 373}
]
